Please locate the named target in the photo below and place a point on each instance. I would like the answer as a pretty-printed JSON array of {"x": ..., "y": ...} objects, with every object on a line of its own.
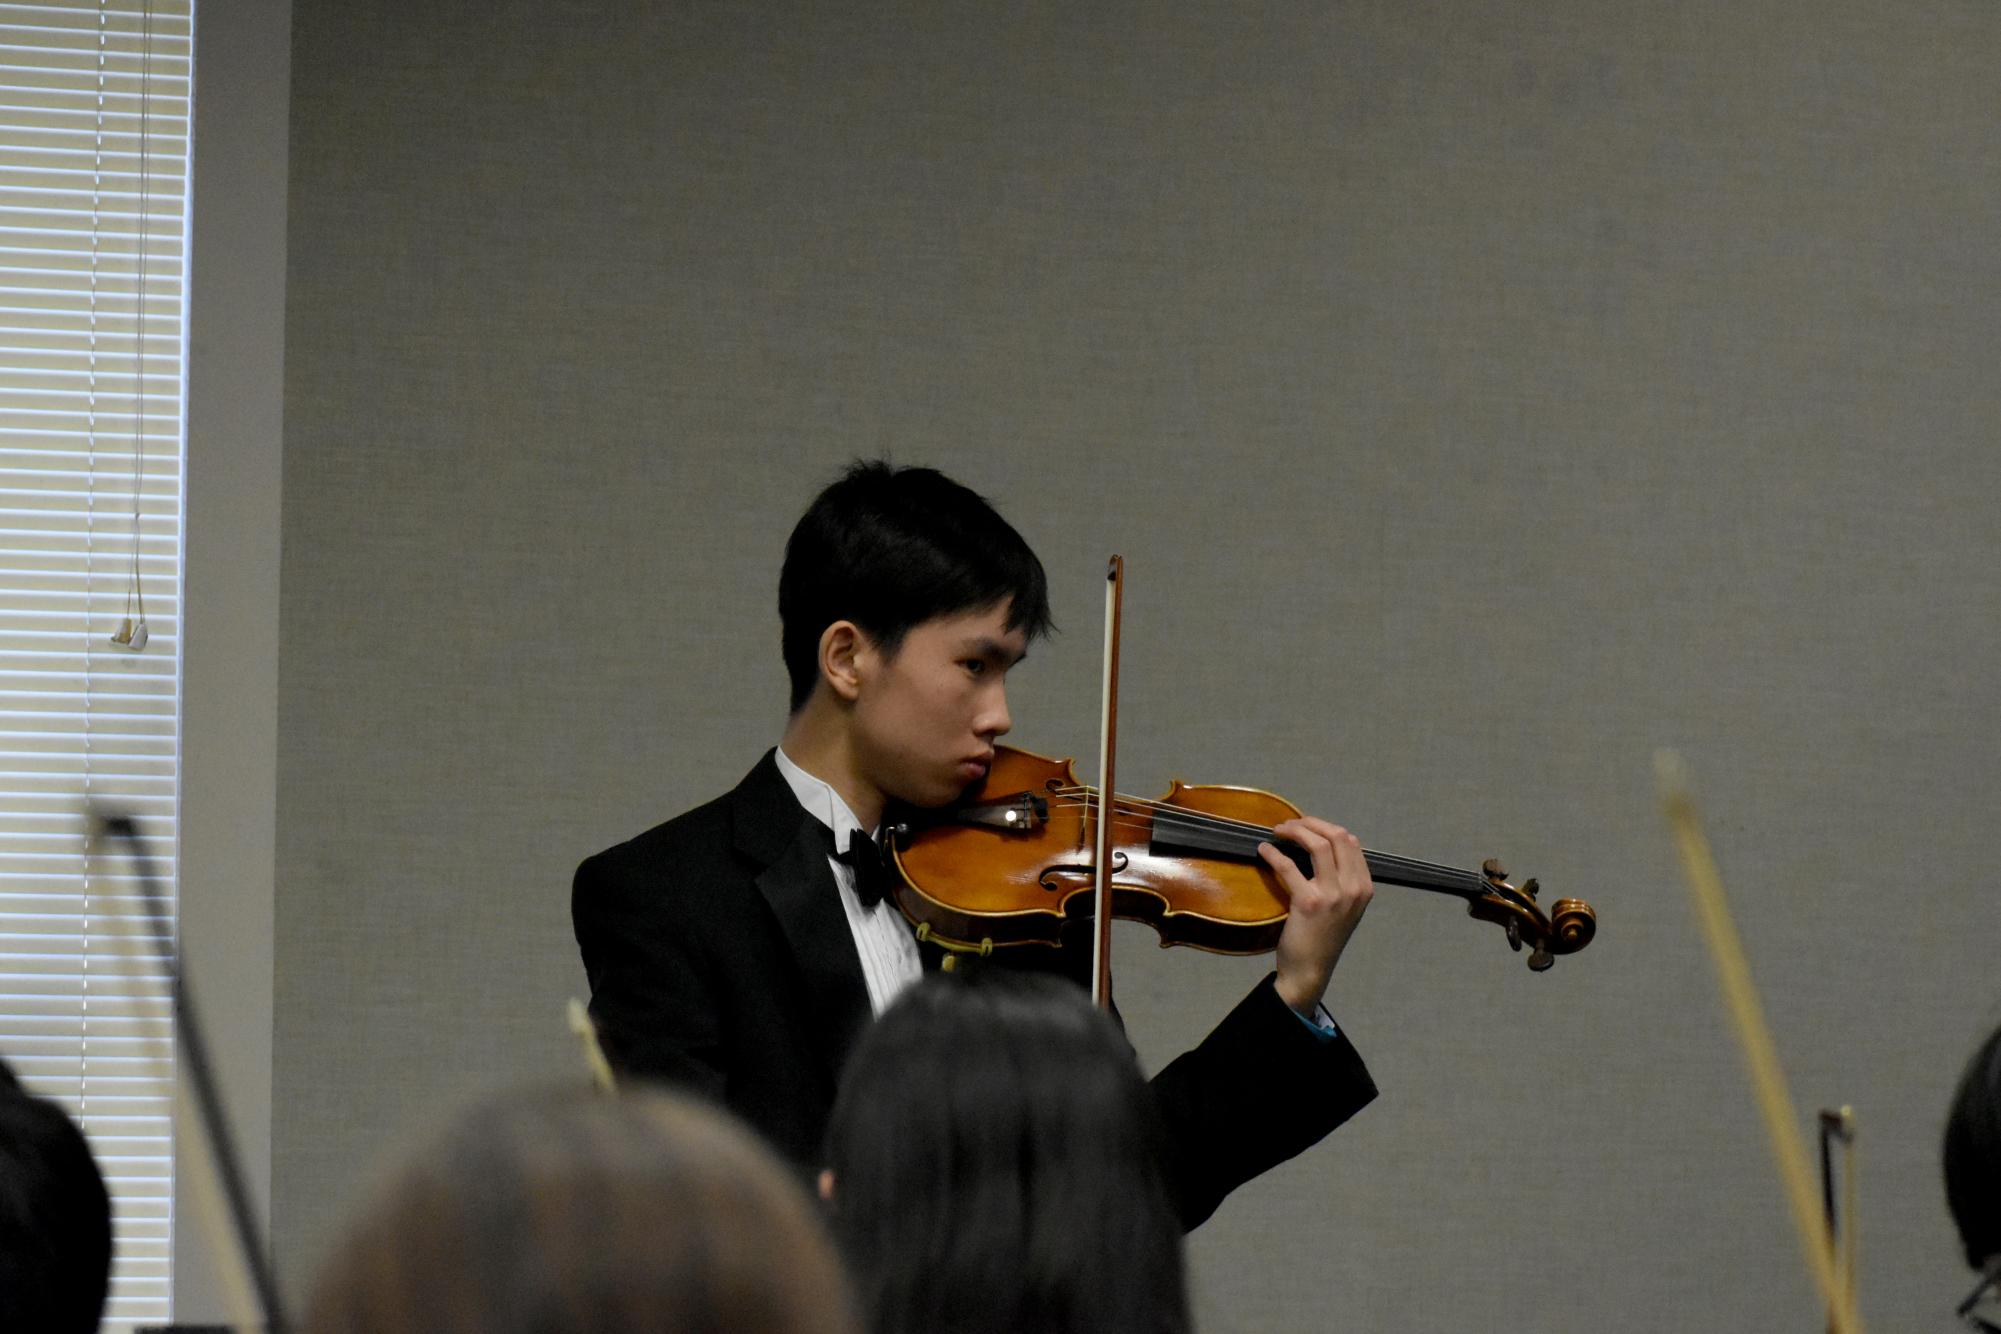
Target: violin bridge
[{"x": 1022, "y": 813}]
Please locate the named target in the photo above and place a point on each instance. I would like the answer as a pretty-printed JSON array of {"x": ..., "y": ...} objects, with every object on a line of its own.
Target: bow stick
[
  {"x": 1101, "y": 937},
  {"x": 1768, "y": 1081},
  {"x": 208, "y": 1158}
]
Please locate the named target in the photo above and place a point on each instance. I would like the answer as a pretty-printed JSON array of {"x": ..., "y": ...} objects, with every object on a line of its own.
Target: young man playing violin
[{"x": 740, "y": 948}]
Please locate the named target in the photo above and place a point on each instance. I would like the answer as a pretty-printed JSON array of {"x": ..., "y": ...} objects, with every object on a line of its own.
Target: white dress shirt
[{"x": 882, "y": 938}]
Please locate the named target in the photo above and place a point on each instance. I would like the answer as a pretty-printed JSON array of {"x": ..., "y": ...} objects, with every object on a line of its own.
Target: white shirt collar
[{"x": 820, "y": 800}]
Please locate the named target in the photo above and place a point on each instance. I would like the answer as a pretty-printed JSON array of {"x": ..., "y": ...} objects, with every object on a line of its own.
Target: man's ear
[
  {"x": 843, "y": 650},
  {"x": 827, "y": 1185}
]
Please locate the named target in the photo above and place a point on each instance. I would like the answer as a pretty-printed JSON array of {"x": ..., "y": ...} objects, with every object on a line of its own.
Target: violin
[
  {"x": 1015, "y": 860},
  {"x": 1028, "y": 853}
]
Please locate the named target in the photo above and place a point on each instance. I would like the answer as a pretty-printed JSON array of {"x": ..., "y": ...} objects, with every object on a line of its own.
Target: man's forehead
[{"x": 984, "y": 633}]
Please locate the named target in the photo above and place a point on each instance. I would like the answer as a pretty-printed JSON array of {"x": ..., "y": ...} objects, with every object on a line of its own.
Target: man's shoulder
[
  {"x": 705, "y": 839},
  {"x": 680, "y": 871},
  {"x": 702, "y": 833}
]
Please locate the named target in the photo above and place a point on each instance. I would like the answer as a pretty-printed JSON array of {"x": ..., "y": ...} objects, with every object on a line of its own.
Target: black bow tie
[{"x": 864, "y": 858}]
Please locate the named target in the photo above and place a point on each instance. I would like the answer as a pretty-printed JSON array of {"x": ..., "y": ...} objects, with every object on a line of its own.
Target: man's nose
[{"x": 994, "y": 720}]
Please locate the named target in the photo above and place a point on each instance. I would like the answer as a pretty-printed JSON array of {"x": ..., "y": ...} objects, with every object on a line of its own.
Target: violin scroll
[{"x": 1569, "y": 927}]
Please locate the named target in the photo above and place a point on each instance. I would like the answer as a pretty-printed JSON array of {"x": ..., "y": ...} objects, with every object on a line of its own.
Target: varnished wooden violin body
[{"x": 1013, "y": 863}]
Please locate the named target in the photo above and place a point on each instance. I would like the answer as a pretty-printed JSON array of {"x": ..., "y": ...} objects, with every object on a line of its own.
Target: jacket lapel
[{"x": 774, "y": 830}]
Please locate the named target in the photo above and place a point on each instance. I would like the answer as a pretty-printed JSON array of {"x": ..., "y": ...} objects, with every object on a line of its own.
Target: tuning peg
[
  {"x": 1530, "y": 886},
  {"x": 1493, "y": 870}
]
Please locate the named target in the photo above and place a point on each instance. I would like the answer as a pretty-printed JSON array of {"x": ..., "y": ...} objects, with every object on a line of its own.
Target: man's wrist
[{"x": 1303, "y": 999}]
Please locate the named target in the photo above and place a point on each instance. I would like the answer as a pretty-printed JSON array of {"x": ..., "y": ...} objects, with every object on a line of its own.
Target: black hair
[
  {"x": 1973, "y": 1154},
  {"x": 890, "y": 548},
  {"x": 55, "y": 1218},
  {"x": 997, "y": 1167}
]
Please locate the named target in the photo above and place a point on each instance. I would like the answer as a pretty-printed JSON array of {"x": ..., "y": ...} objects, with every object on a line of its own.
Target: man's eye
[{"x": 975, "y": 666}]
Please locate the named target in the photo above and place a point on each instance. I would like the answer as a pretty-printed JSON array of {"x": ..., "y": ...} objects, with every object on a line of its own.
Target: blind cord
[{"x": 131, "y": 633}]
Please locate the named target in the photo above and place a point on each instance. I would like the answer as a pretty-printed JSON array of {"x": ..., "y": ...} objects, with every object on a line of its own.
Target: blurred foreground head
[
  {"x": 563, "y": 1212},
  {"x": 55, "y": 1218},
  {"x": 996, "y": 1166},
  {"x": 1973, "y": 1155}
]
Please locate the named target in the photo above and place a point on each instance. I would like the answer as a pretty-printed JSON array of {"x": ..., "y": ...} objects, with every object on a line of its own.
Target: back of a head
[
  {"x": 558, "y": 1213},
  {"x": 889, "y": 548},
  {"x": 55, "y": 1218},
  {"x": 1973, "y": 1155},
  {"x": 996, "y": 1161}
]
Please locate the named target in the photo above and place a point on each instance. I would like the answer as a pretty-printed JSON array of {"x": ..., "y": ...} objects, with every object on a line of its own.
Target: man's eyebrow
[{"x": 995, "y": 651}]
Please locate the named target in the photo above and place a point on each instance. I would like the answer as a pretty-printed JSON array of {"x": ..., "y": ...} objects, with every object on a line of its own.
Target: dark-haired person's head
[
  {"x": 55, "y": 1218},
  {"x": 890, "y": 548},
  {"x": 994, "y": 1166},
  {"x": 561, "y": 1213},
  {"x": 1973, "y": 1155}
]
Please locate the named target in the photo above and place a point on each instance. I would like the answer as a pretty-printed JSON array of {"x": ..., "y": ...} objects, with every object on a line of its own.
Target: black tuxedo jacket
[{"x": 720, "y": 959}]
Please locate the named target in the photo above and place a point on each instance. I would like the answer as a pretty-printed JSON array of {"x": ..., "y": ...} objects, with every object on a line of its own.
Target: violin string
[
  {"x": 1071, "y": 798},
  {"x": 1384, "y": 863},
  {"x": 1087, "y": 797},
  {"x": 1384, "y": 866},
  {"x": 1132, "y": 815},
  {"x": 1128, "y": 822},
  {"x": 1202, "y": 819},
  {"x": 1387, "y": 867},
  {"x": 1199, "y": 819}
]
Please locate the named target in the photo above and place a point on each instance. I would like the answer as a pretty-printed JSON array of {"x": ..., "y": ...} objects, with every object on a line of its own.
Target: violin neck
[
  {"x": 1389, "y": 869},
  {"x": 1193, "y": 833}
]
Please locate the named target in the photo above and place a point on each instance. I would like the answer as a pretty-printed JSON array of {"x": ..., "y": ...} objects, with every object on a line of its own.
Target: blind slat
[{"x": 94, "y": 126}]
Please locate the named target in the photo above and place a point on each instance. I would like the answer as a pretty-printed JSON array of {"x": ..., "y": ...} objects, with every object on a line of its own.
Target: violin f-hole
[{"x": 1083, "y": 871}]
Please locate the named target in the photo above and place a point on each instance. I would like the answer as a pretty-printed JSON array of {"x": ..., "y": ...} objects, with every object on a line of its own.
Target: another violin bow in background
[
  {"x": 1768, "y": 1081},
  {"x": 585, "y": 1029},
  {"x": 207, "y": 1159},
  {"x": 1838, "y": 1127}
]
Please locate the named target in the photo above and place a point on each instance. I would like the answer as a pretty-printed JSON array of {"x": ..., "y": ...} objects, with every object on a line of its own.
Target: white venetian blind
[{"x": 93, "y": 206}]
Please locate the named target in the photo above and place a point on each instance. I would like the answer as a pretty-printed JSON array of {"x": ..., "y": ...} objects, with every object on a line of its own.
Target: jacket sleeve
[
  {"x": 1261, "y": 1088},
  {"x": 652, "y": 997}
]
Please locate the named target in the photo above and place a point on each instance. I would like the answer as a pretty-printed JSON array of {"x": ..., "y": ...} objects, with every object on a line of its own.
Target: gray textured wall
[{"x": 1482, "y": 395}]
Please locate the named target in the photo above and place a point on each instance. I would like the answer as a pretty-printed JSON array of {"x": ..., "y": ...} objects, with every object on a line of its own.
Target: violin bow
[
  {"x": 585, "y": 1030},
  {"x": 208, "y": 1158},
  {"x": 1747, "y": 1014},
  {"x": 1101, "y": 936},
  {"x": 1838, "y": 1127}
]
